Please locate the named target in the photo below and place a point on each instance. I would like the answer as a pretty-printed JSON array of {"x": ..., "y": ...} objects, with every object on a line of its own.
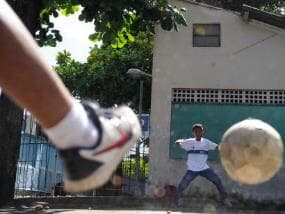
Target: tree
[
  {"x": 11, "y": 115},
  {"x": 116, "y": 23},
  {"x": 103, "y": 77}
]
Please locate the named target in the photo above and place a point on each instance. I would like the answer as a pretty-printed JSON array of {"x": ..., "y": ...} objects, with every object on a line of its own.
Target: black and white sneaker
[{"x": 89, "y": 168}]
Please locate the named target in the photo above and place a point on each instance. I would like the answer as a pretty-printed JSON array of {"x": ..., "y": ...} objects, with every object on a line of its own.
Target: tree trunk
[
  {"x": 10, "y": 114},
  {"x": 10, "y": 135}
]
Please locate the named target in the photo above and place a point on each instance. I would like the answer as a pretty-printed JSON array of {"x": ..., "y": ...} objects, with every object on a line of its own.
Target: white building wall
[{"x": 251, "y": 56}]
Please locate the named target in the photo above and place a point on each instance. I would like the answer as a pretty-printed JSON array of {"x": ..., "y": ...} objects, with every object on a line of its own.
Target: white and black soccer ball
[{"x": 251, "y": 151}]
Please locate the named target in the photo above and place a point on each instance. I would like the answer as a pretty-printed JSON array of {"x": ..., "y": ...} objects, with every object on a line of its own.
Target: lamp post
[{"x": 138, "y": 74}]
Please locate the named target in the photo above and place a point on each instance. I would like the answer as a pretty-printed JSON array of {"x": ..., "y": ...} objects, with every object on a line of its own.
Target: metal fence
[{"x": 39, "y": 169}]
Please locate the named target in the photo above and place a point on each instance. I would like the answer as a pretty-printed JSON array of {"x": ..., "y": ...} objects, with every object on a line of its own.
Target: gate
[{"x": 39, "y": 169}]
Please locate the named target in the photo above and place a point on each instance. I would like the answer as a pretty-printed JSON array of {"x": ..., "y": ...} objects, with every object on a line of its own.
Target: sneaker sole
[{"x": 103, "y": 174}]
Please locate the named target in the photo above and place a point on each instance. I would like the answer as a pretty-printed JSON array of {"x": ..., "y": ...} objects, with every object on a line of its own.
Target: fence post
[{"x": 54, "y": 173}]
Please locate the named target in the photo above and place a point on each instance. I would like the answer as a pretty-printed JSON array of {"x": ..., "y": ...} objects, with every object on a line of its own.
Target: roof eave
[{"x": 266, "y": 17}]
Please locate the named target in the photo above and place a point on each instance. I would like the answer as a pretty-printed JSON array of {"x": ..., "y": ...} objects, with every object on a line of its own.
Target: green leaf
[
  {"x": 121, "y": 44},
  {"x": 81, "y": 17},
  {"x": 44, "y": 11},
  {"x": 44, "y": 17},
  {"x": 55, "y": 13},
  {"x": 131, "y": 37},
  {"x": 121, "y": 41},
  {"x": 58, "y": 37},
  {"x": 95, "y": 37},
  {"x": 70, "y": 9},
  {"x": 175, "y": 27},
  {"x": 108, "y": 37},
  {"x": 166, "y": 23},
  {"x": 50, "y": 25},
  {"x": 114, "y": 45},
  {"x": 179, "y": 18}
]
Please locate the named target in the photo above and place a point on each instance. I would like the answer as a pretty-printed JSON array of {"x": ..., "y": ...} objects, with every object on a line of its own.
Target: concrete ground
[
  {"x": 83, "y": 211},
  {"x": 132, "y": 205},
  {"x": 105, "y": 212},
  {"x": 118, "y": 212}
]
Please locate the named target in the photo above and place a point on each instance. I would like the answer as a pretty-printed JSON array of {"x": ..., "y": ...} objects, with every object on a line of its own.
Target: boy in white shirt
[{"x": 197, "y": 149}]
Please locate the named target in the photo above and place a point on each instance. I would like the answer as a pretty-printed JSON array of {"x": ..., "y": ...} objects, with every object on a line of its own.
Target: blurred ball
[{"x": 251, "y": 151}]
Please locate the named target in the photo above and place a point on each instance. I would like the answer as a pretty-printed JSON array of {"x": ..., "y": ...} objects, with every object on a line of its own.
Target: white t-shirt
[{"x": 197, "y": 152}]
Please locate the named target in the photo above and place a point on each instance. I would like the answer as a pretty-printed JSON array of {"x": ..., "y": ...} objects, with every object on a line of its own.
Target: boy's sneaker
[
  {"x": 176, "y": 200},
  {"x": 89, "y": 168}
]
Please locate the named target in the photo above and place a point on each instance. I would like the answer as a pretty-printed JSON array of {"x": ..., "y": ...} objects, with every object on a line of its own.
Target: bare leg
[
  {"x": 24, "y": 75},
  {"x": 90, "y": 143}
]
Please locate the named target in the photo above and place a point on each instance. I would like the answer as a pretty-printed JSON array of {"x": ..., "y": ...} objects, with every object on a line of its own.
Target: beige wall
[{"x": 251, "y": 56}]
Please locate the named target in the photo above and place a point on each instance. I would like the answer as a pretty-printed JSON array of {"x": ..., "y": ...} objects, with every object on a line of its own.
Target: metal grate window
[
  {"x": 225, "y": 96},
  {"x": 206, "y": 35}
]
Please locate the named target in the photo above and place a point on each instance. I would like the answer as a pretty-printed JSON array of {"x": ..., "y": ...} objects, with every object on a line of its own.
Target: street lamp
[{"x": 138, "y": 74}]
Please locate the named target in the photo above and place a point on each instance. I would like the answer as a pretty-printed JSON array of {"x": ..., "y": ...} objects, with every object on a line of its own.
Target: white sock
[{"x": 74, "y": 130}]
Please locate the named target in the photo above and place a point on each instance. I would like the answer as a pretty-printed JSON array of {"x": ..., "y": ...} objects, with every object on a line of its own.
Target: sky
[{"x": 75, "y": 38}]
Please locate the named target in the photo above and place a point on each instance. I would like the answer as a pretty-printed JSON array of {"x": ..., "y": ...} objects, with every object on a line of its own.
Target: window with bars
[
  {"x": 225, "y": 96},
  {"x": 206, "y": 35}
]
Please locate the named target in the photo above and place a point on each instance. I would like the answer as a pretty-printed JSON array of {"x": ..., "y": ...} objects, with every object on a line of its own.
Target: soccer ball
[{"x": 251, "y": 151}]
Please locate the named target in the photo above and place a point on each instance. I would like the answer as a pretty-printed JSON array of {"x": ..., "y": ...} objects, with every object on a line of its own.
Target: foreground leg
[
  {"x": 24, "y": 75},
  {"x": 92, "y": 141}
]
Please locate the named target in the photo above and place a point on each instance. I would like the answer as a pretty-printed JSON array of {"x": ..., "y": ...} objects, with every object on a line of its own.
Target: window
[
  {"x": 206, "y": 35},
  {"x": 223, "y": 96}
]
